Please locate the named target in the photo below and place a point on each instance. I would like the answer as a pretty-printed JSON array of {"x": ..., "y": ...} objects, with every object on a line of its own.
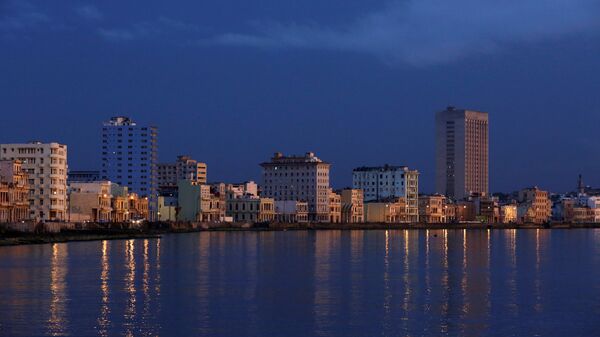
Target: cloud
[
  {"x": 89, "y": 12},
  {"x": 423, "y": 32},
  {"x": 148, "y": 30},
  {"x": 21, "y": 16}
]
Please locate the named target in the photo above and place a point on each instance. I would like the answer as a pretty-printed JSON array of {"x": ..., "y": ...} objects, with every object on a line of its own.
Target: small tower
[{"x": 580, "y": 185}]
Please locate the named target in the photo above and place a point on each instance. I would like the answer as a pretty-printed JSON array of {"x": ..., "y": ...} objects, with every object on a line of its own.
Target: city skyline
[{"x": 345, "y": 177}]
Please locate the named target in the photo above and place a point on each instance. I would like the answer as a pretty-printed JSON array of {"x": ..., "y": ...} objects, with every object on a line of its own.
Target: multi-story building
[
  {"x": 534, "y": 206},
  {"x": 249, "y": 208},
  {"x": 431, "y": 208},
  {"x": 14, "y": 192},
  {"x": 129, "y": 158},
  {"x": 291, "y": 211},
  {"x": 335, "y": 207},
  {"x": 184, "y": 168},
  {"x": 46, "y": 168},
  {"x": 462, "y": 157},
  {"x": 90, "y": 201},
  {"x": 198, "y": 202},
  {"x": 387, "y": 211},
  {"x": 353, "y": 210},
  {"x": 508, "y": 213},
  {"x": 385, "y": 182},
  {"x": 299, "y": 178}
]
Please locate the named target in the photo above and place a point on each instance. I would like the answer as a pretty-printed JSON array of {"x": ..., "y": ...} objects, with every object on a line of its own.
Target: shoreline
[{"x": 156, "y": 230}]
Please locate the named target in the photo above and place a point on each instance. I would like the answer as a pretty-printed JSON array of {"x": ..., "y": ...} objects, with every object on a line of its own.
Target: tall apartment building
[
  {"x": 299, "y": 178},
  {"x": 185, "y": 168},
  {"x": 386, "y": 182},
  {"x": 462, "y": 154},
  {"x": 46, "y": 168},
  {"x": 129, "y": 158}
]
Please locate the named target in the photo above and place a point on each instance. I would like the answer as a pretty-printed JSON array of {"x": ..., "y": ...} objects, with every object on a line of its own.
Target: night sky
[{"x": 358, "y": 82}]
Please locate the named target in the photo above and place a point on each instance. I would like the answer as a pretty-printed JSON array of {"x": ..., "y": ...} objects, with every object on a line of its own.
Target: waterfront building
[
  {"x": 465, "y": 211},
  {"x": 335, "y": 207},
  {"x": 129, "y": 158},
  {"x": 249, "y": 208},
  {"x": 486, "y": 207},
  {"x": 384, "y": 182},
  {"x": 46, "y": 167},
  {"x": 83, "y": 176},
  {"x": 352, "y": 205},
  {"x": 90, "y": 201},
  {"x": 167, "y": 208},
  {"x": 184, "y": 168},
  {"x": 508, "y": 213},
  {"x": 299, "y": 178},
  {"x": 534, "y": 206},
  {"x": 139, "y": 207},
  {"x": 431, "y": 208},
  {"x": 450, "y": 212},
  {"x": 14, "y": 192},
  {"x": 390, "y": 211},
  {"x": 291, "y": 211},
  {"x": 462, "y": 153},
  {"x": 199, "y": 202}
]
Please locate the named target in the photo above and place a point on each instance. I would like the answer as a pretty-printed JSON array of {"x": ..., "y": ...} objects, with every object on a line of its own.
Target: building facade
[
  {"x": 432, "y": 208},
  {"x": 91, "y": 201},
  {"x": 353, "y": 205},
  {"x": 385, "y": 182},
  {"x": 534, "y": 206},
  {"x": 291, "y": 211},
  {"x": 299, "y": 178},
  {"x": 46, "y": 167},
  {"x": 335, "y": 207},
  {"x": 462, "y": 154},
  {"x": 184, "y": 168},
  {"x": 14, "y": 192},
  {"x": 129, "y": 158}
]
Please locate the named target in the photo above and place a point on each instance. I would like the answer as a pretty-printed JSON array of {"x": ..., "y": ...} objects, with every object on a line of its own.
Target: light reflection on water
[{"x": 324, "y": 283}]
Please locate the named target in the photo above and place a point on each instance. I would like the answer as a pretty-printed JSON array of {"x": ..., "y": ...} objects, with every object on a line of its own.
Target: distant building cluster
[{"x": 132, "y": 186}]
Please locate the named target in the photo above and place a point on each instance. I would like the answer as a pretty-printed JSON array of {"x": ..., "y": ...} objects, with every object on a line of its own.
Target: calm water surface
[{"x": 325, "y": 283}]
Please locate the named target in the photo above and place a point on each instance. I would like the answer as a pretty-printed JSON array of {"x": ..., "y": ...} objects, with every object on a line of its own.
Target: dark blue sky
[{"x": 357, "y": 82}]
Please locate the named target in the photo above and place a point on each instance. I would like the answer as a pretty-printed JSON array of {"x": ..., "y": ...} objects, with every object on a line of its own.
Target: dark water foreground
[{"x": 308, "y": 283}]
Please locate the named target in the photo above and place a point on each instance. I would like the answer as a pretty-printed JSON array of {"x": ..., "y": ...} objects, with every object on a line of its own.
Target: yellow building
[
  {"x": 352, "y": 210},
  {"x": 335, "y": 207},
  {"x": 508, "y": 213},
  {"x": 535, "y": 206},
  {"x": 14, "y": 192},
  {"x": 388, "y": 212},
  {"x": 90, "y": 201}
]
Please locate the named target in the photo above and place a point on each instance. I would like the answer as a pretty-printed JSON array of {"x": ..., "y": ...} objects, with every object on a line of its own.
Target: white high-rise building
[
  {"x": 130, "y": 157},
  {"x": 462, "y": 156},
  {"x": 46, "y": 167}
]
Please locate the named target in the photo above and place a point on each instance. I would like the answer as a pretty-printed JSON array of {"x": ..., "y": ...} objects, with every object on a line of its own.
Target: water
[{"x": 323, "y": 283}]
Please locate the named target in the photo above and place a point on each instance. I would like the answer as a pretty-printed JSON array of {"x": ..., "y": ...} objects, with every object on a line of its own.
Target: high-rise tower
[{"x": 462, "y": 153}]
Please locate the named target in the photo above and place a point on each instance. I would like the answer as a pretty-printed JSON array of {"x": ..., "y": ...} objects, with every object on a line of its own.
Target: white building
[
  {"x": 46, "y": 167},
  {"x": 385, "y": 182}
]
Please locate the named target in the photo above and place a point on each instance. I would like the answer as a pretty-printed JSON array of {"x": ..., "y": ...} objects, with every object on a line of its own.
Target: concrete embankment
[{"x": 23, "y": 233}]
